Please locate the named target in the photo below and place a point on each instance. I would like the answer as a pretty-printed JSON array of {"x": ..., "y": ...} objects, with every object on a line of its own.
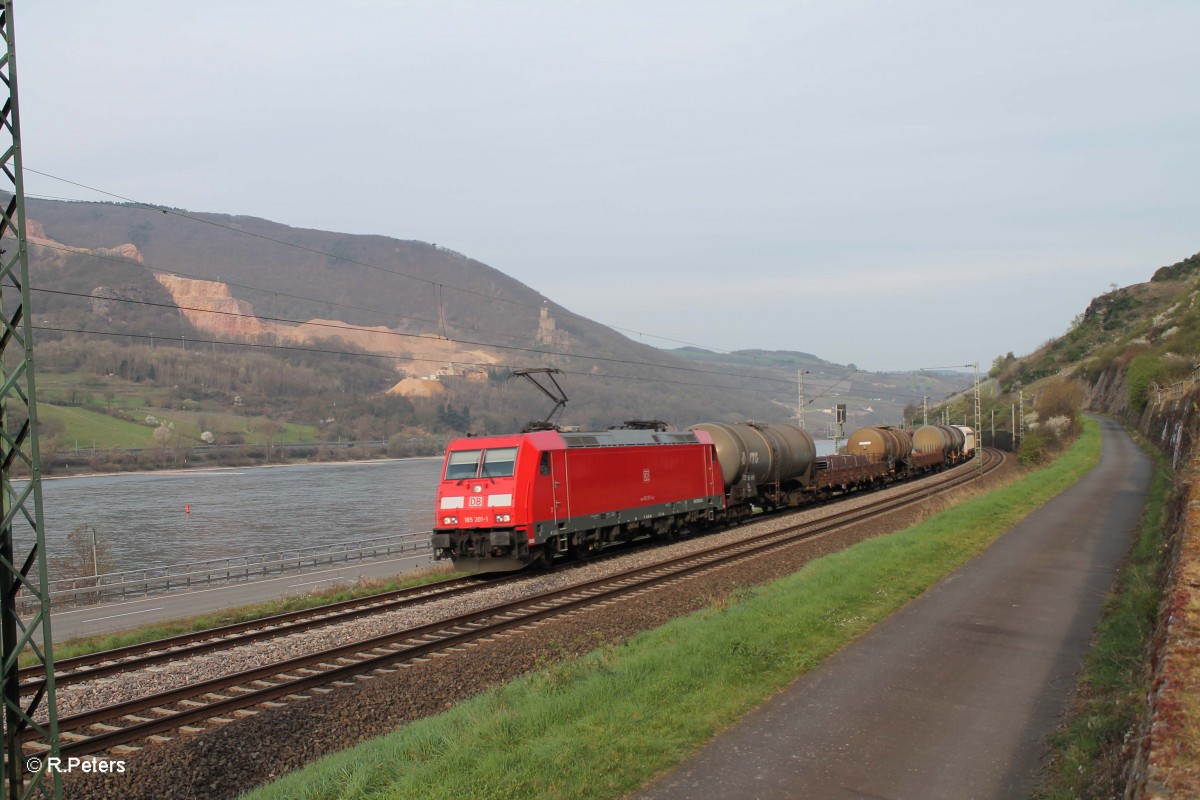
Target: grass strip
[
  {"x": 203, "y": 622},
  {"x": 602, "y": 725},
  {"x": 1088, "y": 750}
]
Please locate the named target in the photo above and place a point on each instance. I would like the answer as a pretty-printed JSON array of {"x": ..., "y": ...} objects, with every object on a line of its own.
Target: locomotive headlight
[
  {"x": 449, "y": 520},
  {"x": 503, "y": 518}
]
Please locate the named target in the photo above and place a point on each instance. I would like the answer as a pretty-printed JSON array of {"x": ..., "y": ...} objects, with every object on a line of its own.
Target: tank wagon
[
  {"x": 933, "y": 444},
  {"x": 766, "y": 462},
  {"x": 881, "y": 444},
  {"x": 506, "y": 502}
]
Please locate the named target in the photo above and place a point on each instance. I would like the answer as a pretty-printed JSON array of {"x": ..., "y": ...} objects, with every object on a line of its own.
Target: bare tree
[{"x": 84, "y": 556}]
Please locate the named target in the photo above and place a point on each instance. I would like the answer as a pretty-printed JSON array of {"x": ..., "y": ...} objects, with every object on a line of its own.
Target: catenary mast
[{"x": 23, "y": 578}]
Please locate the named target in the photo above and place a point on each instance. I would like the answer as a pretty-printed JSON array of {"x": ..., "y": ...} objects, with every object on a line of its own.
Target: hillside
[
  {"x": 348, "y": 336},
  {"x": 1128, "y": 343}
]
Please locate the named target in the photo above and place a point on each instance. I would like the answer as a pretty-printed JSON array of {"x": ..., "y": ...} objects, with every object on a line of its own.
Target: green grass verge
[
  {"x": 602, "y": 725},
  {"x": 85, "y": 428},
  {"x": 1087, "y": 755},
  {"x": 203, "y": 622}
]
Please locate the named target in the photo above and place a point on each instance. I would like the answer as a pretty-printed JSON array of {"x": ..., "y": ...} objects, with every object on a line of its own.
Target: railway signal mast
[
  {"x": 800, "y": 373},
  {"x": 23, "y": 576},
  {"x": 978, "y": 423}
]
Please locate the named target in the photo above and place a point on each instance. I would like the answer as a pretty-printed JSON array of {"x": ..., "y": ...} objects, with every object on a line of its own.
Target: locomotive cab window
[
  {"x": 462, "y": 464},
  {"x": 500, "y": 462}
]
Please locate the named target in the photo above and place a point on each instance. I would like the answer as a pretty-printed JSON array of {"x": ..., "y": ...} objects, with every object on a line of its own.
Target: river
[{"x": 156, "y": 518}]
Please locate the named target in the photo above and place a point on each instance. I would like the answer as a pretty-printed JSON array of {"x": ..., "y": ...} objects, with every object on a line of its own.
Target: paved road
[
  {"x": 953, "y": 695},
  {"x": 112, "y": 617}
]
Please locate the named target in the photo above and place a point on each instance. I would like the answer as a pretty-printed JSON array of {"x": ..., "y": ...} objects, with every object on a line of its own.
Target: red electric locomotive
[{"x": 505, "y": 502}]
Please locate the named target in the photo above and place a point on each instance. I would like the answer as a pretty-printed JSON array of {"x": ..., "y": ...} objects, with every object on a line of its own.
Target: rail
[{"x": 129, "y": 584}]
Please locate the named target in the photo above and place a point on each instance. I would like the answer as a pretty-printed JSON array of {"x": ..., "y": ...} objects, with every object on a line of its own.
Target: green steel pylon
[{"x": 23, "y": 578}]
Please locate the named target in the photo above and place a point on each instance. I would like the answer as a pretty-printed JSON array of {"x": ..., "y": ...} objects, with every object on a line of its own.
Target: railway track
[
  {"x": 221, "y": 700},
  {"x": 106, "y": 663},
  {"x": 137, "y": 656}
]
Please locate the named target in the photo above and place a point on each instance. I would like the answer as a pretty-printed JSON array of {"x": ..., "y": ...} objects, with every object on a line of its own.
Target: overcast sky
[{"x": 897, "y": 185}]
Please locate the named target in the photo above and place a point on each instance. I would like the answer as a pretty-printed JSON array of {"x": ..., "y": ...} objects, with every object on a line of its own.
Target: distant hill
[
  {"x": 1125, "y": 340},
  {"x": 102, "y": 268},
  {"x": 870, "y": 397}
]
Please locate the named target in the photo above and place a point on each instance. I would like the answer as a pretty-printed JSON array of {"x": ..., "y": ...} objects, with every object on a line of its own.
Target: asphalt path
[
  {"x": 113, "y": 617},
  {"x": 953, "y": 696}
]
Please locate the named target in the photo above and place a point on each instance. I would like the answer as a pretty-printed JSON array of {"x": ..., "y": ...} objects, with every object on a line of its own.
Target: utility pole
[
  {"x": 925, "y": 410},
  {"x": 22, "y": 576}
]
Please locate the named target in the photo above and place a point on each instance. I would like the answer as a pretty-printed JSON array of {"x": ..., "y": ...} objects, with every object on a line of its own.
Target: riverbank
[
  {"x": 124, "y": 461},
  {"x": 227, "y": 468}
]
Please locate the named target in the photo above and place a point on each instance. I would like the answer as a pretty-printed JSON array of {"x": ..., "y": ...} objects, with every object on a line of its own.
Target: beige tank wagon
[{"x": 880, "y": 444}]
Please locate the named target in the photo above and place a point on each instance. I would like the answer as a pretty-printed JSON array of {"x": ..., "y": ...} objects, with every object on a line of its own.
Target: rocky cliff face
[
  {"x": 210, "y": 307},
  {"x": 36, "y": 234},
  {"x": 1165, "y": 748}
]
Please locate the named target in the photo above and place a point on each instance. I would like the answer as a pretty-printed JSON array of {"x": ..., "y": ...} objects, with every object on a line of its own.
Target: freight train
[{"x": 507, "y": 502}]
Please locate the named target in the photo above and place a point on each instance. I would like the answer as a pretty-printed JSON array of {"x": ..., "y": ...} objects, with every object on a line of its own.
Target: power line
[
  {"x": 382, "y": 356},
  {"x": 424, "y": 336},
  {"x": 184, "y": 215},
  {"x": 434, "y": 284},
  {"x": 193, "y": 276},
  {"x": 431, "y": 337},
  {"x": 440, "y": 323},
  {"x": 437, "y": 357}
]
